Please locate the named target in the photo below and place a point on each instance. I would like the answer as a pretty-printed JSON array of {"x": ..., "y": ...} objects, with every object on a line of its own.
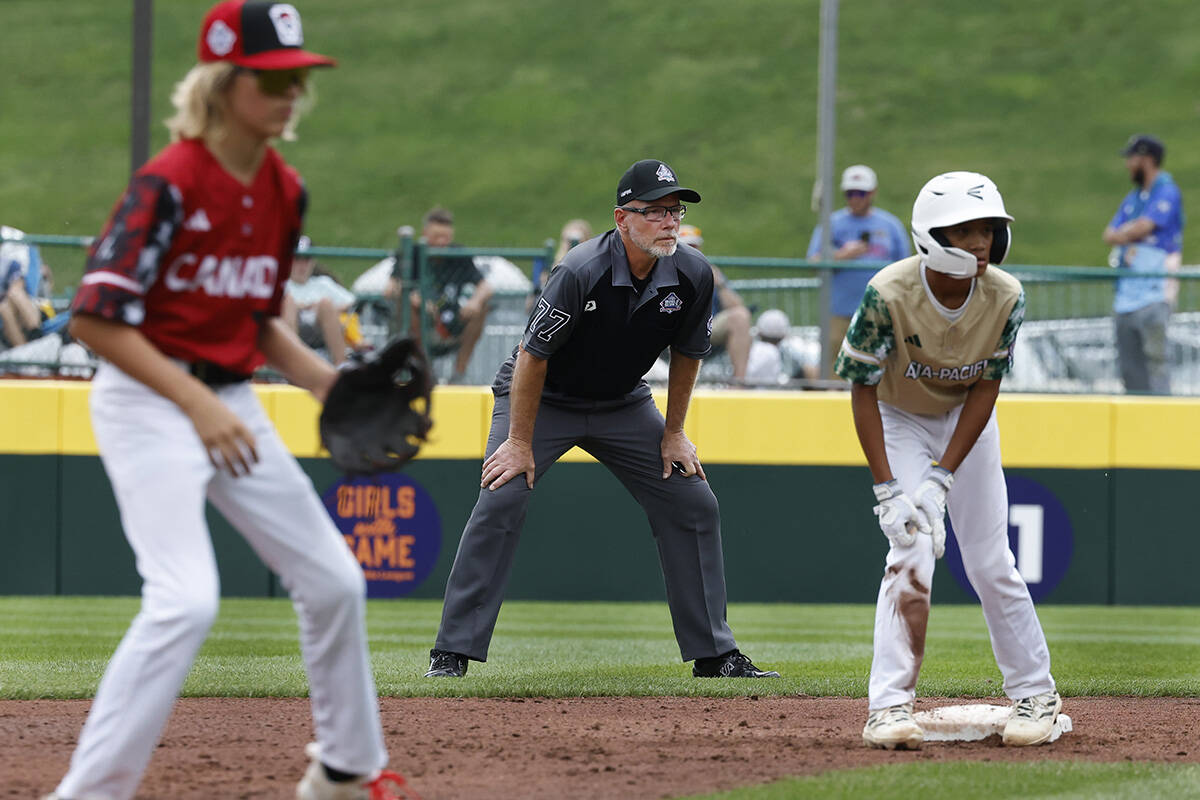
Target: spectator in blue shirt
[
  {"x": 1147, "y": 236},
  {"x": 860, "y": 232}
]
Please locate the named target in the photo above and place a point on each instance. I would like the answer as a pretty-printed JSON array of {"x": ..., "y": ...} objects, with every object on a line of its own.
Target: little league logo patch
[
  {"x": 670, "y": 304},
  {"x": 664, "y": 174},
  {"x": 286, "y": 20}
]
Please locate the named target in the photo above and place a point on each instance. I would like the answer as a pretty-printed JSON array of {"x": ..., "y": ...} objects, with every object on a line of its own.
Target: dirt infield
[{"x": 538, "y": 748}]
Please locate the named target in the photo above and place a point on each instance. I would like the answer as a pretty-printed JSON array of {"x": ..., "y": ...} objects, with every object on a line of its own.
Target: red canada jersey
[{"x": 196, "y": 259}]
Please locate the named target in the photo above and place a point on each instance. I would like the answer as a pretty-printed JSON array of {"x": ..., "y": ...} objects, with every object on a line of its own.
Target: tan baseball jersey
[{"x": 923, "y": 361}]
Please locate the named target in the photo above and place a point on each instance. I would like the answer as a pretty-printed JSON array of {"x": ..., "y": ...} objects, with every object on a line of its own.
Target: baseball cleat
[
  {"x": 893, "y": 728},
  {"x": 444, "y": 664},
  {"x": 315, "y": 785},
  {"x": 730, "y": 665},
  {"x": 1032, "y": 720}
]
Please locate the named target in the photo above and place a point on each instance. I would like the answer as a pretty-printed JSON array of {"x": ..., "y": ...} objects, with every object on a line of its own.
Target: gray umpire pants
[{"x": 682, "y": 511}]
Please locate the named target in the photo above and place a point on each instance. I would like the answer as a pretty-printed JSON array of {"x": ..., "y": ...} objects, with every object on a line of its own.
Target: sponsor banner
[
  {"x": 1039, "y": 535},
  {"x": 392, "y": 527}
]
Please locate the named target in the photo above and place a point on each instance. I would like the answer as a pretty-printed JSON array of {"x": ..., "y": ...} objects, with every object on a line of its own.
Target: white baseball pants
[
  {"x": 978, "y": 506},
  {"x": 161, "y": 475}
]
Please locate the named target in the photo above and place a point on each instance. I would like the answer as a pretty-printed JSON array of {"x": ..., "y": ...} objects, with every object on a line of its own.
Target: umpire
[{"x": 612, "y": 305}]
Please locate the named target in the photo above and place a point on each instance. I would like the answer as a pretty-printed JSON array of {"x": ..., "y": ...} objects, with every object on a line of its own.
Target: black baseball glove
[{"x": 377, "y": 413}]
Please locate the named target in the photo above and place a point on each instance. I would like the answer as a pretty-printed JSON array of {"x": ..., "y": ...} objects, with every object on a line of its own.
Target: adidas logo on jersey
[
  {"x": 914, "y": 340},
  {"x": 197, "y": 222}
]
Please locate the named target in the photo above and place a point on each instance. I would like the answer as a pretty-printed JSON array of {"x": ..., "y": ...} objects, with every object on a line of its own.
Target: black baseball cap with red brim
[{"x": 256, "y": 35}]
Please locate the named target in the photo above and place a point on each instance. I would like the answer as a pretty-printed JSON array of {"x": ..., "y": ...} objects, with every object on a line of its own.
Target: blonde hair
[
  {"x": 199, "y": 103},
  {"x": 573, "y": 232}
]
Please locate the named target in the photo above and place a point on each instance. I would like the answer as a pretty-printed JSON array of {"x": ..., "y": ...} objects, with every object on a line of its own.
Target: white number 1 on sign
[{"x": 1028, "y": 522}]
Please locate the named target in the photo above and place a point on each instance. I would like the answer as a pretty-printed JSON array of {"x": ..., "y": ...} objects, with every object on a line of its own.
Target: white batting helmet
[{"x": 949, "y": 199}]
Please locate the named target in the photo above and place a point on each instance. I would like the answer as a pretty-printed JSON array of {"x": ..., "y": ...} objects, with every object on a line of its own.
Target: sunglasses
[
  {"x": 277, "y": 82},
  {"x": 856, "y": 193}
]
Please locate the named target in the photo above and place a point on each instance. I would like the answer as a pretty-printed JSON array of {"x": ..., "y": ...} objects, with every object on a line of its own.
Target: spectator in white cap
[
  {"x": 772, "y": 360},
  {"x": 859, "y": 233},
  {"x": 731, "y": 318},
  {"x": 313, "y": 304},
  {"x": 766, "y": 359}
]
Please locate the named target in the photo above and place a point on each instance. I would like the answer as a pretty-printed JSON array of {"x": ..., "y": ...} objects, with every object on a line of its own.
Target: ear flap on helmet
[{"x": 1001, "y": 241}]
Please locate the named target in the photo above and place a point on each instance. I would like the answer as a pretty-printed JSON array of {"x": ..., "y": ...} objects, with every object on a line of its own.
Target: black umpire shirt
[{"x": 600, "y": 335}]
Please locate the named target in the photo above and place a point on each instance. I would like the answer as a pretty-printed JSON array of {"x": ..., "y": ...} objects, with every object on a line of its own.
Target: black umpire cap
[
  {"x": 651, "y": 179},
  {"x": 1143, "y": 144}
]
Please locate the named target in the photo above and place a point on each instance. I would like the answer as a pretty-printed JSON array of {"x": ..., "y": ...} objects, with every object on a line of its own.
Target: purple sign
[
  {"x": 392, "y": 527},
  {"x": 1039, "y": 535}
]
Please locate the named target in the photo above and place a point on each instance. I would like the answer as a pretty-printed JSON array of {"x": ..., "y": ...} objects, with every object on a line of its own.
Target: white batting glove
[
  {"x": 899, "y": 518},
  {"x": 931, "y": 497}
]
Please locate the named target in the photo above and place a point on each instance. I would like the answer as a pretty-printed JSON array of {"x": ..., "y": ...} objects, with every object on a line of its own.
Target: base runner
[{"x": 925, "y": 354}]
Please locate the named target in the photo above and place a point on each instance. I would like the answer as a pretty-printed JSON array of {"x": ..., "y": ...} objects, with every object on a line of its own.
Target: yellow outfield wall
[{"x": 728, "y": 427}]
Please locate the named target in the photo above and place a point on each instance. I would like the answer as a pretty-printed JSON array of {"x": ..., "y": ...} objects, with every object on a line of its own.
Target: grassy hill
[{"x": 520, "y": 115}]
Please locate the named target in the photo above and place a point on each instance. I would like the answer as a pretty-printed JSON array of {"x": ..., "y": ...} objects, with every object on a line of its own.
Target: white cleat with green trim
[{"x": 1032, "y": 720}]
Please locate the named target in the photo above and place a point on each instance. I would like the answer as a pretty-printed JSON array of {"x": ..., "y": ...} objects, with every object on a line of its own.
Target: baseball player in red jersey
[{"x": 181, "y": 298}]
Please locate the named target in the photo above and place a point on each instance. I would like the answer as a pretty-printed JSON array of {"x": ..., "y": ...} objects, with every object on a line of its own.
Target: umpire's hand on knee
[
  {"x": 509, "y": 460},
  {"x": 679, "y": 453}
]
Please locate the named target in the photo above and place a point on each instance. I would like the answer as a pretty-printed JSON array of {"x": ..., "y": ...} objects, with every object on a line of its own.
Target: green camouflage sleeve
[
  {"x": 868, "y": 341},
  {"x": 1001, "y": 361}
]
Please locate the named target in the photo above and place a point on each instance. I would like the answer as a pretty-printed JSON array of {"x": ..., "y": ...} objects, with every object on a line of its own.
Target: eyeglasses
[
  {"x": 277, "y": 82},
  {"x": 657, "y": 213},
  {"x": 856, "y": 193}
]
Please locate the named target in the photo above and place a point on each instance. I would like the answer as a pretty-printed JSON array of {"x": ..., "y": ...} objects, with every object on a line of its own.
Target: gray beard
[{"x": 652, "y": 249}]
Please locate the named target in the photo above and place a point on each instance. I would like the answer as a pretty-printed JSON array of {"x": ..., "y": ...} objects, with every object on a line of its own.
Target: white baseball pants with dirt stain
[
  {"x": 978, "y": 506},
  {"x": 161, "y": 476}
]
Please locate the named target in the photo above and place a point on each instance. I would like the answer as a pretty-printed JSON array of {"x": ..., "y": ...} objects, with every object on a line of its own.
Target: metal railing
[{"x": 1066, "y": 343}]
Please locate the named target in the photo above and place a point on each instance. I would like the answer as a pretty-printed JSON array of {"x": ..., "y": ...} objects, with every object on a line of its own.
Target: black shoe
[
  {"x": 444, "y": 664},
  {"x": 731, "y": 665}
]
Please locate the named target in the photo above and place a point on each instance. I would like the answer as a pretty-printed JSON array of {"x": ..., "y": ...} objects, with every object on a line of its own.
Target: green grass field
[
  {"x": 1051, "y": 779},
  {"x": 521, "y": 115},
  {"x": 58, "y": 647}
]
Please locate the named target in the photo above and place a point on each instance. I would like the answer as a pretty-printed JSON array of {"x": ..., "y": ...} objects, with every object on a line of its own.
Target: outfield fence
[{"x": 1066, "y": 344}]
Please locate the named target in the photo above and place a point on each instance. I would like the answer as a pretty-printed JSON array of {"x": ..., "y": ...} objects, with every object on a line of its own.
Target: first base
[{"x": 973, "y": 722}]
